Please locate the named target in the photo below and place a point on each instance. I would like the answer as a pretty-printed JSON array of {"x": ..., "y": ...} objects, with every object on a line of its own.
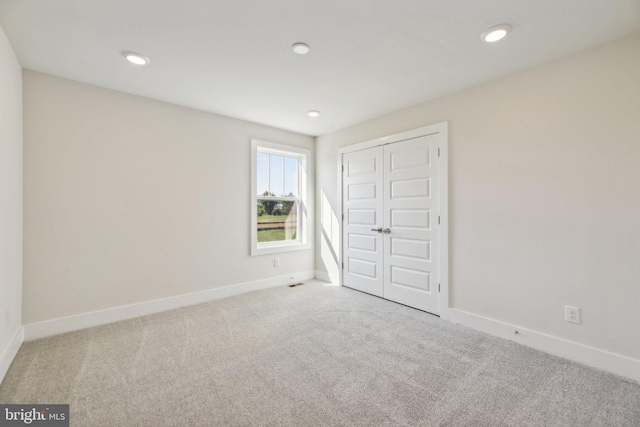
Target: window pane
[
  {"x": 262, "y": 174},
  {"x": 276, "y": 166},
  {"x": 291, "y": 176},
  {"x": 277, "y": 220}
]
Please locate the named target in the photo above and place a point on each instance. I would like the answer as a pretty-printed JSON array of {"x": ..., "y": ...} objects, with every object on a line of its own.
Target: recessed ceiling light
[
  {"x": 313, "y": 113},
  {"x": 496, "y": 33},
  {"x": 300, "y": 48},
  {"x": 135, "y": 58}
]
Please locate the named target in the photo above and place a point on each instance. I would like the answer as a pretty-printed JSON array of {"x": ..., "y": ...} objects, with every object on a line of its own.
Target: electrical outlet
[
  {"x": 276, "y": 262},
  {"x": 571, "y": 314}
]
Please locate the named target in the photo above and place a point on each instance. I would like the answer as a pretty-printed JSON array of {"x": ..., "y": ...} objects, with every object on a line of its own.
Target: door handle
[
  {"x": 386, "y": 230},
  {"x": 379, "y": 230}
]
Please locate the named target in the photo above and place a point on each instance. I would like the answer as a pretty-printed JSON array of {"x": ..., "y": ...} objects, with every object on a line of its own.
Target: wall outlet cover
[{"x": 571, "y": 314}]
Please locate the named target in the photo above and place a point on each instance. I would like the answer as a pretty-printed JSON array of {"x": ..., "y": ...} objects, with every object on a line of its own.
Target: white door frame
[{"x": 443, "y": 130}]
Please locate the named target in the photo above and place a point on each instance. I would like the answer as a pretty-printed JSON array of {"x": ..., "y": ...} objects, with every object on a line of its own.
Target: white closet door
[
  {"x": 362, "y": 208},
  {"x": 411, "y": 243}
]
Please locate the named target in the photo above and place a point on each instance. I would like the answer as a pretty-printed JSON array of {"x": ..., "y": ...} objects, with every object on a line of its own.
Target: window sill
[{"x": 274, "y": 249}]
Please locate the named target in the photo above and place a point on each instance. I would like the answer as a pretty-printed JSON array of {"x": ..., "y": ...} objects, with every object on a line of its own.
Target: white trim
[
  {"x": 9, "y": 353},
  {"x": 61, "y": 325},
  {"x": 396, "y": 137},
  {"x": 590, "y": 356},
  {"x": 441, "y": 128},
  {"x": 304, "y": 205},
  {"x": 326, "y": 277}
]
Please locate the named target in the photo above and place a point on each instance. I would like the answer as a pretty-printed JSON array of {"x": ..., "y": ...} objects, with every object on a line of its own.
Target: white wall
[
  {"x": 10, "y": 202},
  {"x": 129, "y": 200},
  {"x": 544, "y": 195}
]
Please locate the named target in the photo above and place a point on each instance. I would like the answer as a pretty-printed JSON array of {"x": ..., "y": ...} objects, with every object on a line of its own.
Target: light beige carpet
[{"x": 311, "y": 355}]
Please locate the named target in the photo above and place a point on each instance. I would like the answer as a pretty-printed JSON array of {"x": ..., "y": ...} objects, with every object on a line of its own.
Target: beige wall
[
  {"x": 10, "y": 194},
  {"x": 129, "y": 200},
  {"x": 544, "y": 195}
]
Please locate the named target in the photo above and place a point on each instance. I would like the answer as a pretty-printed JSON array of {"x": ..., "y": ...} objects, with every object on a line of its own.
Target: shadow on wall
[{"x": 330, "y": 239}]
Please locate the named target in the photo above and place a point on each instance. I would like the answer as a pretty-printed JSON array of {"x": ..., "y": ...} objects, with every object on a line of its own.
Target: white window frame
[{"x": 303, "y": 241}]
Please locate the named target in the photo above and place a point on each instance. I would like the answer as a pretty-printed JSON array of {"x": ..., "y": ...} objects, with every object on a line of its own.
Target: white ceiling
[{"x": 368, "y": 57}]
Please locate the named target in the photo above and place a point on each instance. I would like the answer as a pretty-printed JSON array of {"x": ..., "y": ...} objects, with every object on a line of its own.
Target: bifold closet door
[
  {"x": 390, "y": 228},
  {"x": 362, "y": 208},
  {"x": 411, "y": 243}
]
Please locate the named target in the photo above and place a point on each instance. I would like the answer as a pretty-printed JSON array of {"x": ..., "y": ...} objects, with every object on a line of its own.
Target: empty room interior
[{"x": 320, "y": 213}]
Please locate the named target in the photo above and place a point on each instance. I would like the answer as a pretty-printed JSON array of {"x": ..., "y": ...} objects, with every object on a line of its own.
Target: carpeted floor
[{"x": 311, "y": 355}]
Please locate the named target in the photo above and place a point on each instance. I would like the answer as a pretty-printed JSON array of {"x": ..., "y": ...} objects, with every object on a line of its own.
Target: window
[{"x": 279, "y": 192}]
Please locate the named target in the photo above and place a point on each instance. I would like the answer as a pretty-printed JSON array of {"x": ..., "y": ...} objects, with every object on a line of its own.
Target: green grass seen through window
[{"x": 275, "y": 233}]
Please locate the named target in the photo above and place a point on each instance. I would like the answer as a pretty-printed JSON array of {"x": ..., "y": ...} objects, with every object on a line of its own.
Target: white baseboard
[
  {"x": 326, "y": 277},
  {"x": 61, "y": 325},
  {"x": 590, "y": 356},
  {"x": 9, "y": 353}
]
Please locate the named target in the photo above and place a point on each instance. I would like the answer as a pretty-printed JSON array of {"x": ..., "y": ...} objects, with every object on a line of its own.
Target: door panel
[
  {"x": 363, "y": 268},
  {"x": 410, "y": 188},
  {"x": 411, "y": 246},
  {"x": 366, "y": 191},
  {"x": 409, "y": 278},
  {"x": 362, "y": 207},
  {"x": 362, "y": 242},
  {"x": 409, "y": 159},
  {"x": 411, "y": 218},
  {"x": 362, "y": 217}
]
